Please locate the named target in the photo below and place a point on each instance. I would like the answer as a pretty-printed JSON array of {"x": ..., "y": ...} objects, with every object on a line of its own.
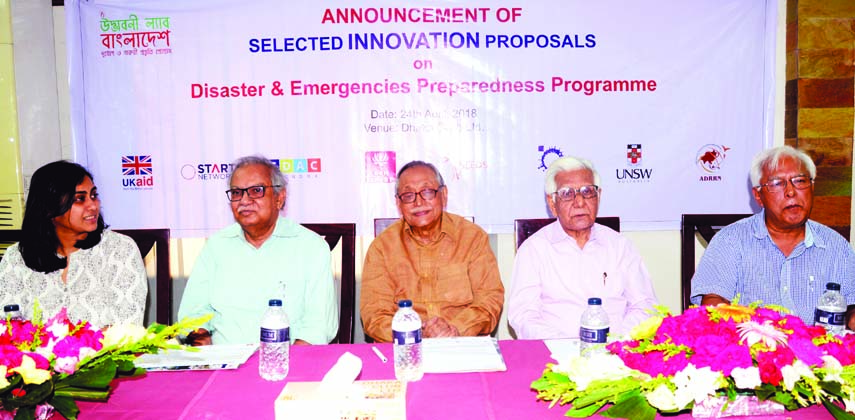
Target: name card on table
[
  {"x": 339, "y": 397},
  {"x": 372, "y": 400}
]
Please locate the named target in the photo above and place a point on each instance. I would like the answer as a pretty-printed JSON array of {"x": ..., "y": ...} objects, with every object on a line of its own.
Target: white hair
[
  {"x": 567, "y": 163},
  {"x": 770, "y": 158}
]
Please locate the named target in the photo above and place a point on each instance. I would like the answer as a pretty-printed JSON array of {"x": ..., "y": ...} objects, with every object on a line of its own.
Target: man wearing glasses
[
  {"x": 440, "y": 261},
  {"x": 572, "y": 259},
  {"x": 778, "y": 256},
  {"x": 262, "y": 256}
]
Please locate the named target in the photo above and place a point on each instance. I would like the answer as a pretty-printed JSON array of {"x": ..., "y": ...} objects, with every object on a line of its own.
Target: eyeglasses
[
  {"x": 427, "y": 194},
  {"x": 569, "y": 194},
  {"x": 255, "y": 191},
  {"x": 800, "y": 182}
]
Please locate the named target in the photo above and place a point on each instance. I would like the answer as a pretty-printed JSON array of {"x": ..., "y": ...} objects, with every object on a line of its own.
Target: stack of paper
[
  {"x": 221, "y": 356},
  {"x": 462, "y": 354}
]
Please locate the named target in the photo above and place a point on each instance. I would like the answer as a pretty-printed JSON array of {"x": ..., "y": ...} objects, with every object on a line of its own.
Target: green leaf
[
  {"x": 65, "y": 406},
  {"x": 34, "y": 395},
  {"x": 836, "y": 412},
  {"x": 635, "y": 407},
  {"x": 79, "y": 393},
  {"x": 832, "y": 387},
  {"x": 97, "y": 376},
  {"x": 26, "y": 413},
  {"x": 585, "y": 411}
]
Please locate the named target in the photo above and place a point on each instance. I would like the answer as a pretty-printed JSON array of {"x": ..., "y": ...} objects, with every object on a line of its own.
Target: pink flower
[
  {"x": 721, "y": 354},
  {"x": 10, "y": 356}
]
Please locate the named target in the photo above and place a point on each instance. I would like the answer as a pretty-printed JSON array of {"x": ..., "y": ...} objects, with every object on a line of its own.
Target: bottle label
[
  {"x": 281, "y": 335},
  {"x": 590, "y": 335},
  {"x": 828, "y": 318},
  {"x": 407, "y": 337}
]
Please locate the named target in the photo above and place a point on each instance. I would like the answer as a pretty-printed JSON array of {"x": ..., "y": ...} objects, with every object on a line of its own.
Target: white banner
[{"x": 670, "y": 100}]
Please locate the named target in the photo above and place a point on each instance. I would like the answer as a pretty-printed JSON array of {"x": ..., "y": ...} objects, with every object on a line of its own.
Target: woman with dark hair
[{"x": 67, "y": 259}]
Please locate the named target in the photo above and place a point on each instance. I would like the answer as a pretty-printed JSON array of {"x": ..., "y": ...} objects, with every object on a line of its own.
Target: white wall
[{"x": 42, "y": 86}]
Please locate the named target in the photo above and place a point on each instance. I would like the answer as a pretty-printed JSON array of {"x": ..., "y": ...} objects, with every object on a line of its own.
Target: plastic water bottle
[
  {"x": 594, "y": 328},
  {"x": 274, "y": 353},
  {"x": 831, "y": 309},
  {"x": 12, "y": 312},
  {"x": 407, "y": 340}
]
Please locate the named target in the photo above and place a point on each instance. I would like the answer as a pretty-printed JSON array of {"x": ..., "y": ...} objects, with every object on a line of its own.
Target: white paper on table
[
  {"x": 562, "y": 349},
  {"x": 218, "y": 356},
  {"x": 462, "y": 354}
]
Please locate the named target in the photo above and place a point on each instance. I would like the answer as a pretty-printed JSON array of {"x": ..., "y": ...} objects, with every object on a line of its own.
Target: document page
[
  {"x": 221, "y": 356},
  {"x": 462, "y": 354}
]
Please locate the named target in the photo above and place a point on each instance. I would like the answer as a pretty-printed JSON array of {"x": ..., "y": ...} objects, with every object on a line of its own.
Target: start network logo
[
  {"x": 137, "y": 173},
  {"x": 213, "y": 171}
]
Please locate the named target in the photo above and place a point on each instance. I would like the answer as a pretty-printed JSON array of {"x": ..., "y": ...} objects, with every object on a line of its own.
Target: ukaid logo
[
  {"x": 709, "y": 159},
  {"x": 134, "y": 35},
  {"x": 300, "y": 168},
  {"x": 137, "y": 173},
  {"x": 206, "y": 171},
  {"x": 380, "y": 167},
  {"x": 633, "y": 173}
]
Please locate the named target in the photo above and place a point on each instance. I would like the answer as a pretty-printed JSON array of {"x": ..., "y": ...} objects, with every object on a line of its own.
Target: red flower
[
  {"x": 18, "y": 392},
  {"x": 770, "y": 364}
]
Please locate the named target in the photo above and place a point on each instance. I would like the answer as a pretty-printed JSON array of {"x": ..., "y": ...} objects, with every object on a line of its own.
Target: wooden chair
[
  {"x": 145, "y": 240},
  {"x": 707, "y": 225},
  {"x": 346, "y": 233},
  {"x": 523, "y": 228},
  {"x": 382, "y": 223}
]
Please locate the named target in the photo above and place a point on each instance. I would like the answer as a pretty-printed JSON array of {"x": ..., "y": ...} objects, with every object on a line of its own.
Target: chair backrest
[
  {"x": 346, "y": 233},
  {"x": 145, "y": 240},
  {"x": 382, "y": 223},
  {"x": 707, "y": 225},
  {"x": 158, "y": 238},
  {"x": 523, "y": 228}
]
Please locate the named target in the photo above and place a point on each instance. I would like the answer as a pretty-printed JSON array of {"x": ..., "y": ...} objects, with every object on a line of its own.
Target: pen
[{"x": 379, "y": 354}]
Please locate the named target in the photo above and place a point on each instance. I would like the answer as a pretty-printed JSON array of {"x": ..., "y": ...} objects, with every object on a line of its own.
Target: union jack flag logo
[{"x": 136, "y": 165}]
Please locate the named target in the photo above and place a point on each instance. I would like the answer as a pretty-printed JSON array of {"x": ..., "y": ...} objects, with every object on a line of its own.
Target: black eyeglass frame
[
  {"x": 431, "y": 191},
  {"x": 232, "y": 191}
]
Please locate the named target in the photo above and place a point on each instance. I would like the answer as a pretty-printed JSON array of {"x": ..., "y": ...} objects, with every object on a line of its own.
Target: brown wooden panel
[
  {"x": 791, "y": 70},
  {"x": 824, "y": 93},
  {"x": 826, "y": 122},
  {"x": 833, "y": 181},
  {"x": 835, "y": 151},
  {"x": 823, "y": 33},
  {"x": 791, "y": 94},
  {"x": 792, "y": 40},
  {"x": 832, "y": 211},
  {"x": 791, "y": 122},
  {"x": 825, "y": 64},
  {"x": 826, "y": 8}
]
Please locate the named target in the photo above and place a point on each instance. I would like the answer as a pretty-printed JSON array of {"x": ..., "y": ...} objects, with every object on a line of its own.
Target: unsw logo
[
  {"x": 635, "y": 173},
  {"x": 137, "y": 173}
]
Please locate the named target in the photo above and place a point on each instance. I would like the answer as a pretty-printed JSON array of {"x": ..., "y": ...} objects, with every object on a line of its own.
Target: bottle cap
[
  {"x": 405, "y": 303},
  {"x": 274, "y": 302},
  {"x": 595, "y": 301},
  {"x": 11, "y": 308},
  {"x": 832, "y": 286}
]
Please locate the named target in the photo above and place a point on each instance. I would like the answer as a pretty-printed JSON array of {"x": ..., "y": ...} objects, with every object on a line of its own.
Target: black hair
[{"x": 52, "y": 191}]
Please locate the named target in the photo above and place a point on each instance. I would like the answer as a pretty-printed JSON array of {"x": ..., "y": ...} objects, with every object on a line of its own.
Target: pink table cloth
[{"x": 242, "y": 394}]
